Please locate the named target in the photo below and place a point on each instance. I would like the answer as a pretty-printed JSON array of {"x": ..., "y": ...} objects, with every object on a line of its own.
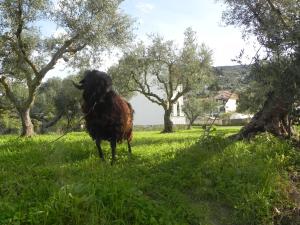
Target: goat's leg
[
  {"x": 129, "y": 146},
  {"x": 113, "y": 144},
  {"x": 98, "y": 144}
]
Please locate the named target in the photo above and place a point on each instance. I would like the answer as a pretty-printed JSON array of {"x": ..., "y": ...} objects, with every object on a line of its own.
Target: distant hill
[{"x": 231, "y": 77}]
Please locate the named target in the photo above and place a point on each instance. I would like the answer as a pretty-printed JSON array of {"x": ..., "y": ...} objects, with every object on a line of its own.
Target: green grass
[{"x": 169, "y": 179}]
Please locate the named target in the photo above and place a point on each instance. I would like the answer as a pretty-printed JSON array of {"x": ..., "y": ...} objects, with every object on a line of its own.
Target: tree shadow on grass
[
  {"x": 187, "y": 164},
  {"x": 212, "y": 186},
  {"x": 148, "y": 141},
  {"x": 173, "y": 182},
  {"x": 166, "y": 178}
]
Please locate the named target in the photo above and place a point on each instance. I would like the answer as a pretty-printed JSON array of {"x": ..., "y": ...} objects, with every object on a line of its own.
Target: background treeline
[{"x": 56, "y": 108}]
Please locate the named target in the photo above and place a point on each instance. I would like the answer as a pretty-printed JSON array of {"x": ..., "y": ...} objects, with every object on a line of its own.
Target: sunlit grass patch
[{"x": 176, "y": 178}]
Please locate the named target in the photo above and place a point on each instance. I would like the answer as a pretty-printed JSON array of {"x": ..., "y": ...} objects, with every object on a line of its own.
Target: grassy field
[{"x": 170, "y": 179}]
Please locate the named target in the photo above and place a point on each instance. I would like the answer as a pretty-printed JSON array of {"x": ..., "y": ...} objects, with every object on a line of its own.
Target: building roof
[{"x": 225, "y": 95}]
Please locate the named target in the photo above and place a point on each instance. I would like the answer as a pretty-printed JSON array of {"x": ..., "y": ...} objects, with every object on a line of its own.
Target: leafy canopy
[
  {"x": 163, "y": 72},
  {"x": 84, "y": 30}
]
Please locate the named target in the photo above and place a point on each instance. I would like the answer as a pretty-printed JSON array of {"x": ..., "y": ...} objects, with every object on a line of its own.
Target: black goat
[{"x": 107, "y": 115}]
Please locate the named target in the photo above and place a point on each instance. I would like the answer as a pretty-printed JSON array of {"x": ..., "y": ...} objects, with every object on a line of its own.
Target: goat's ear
[{"x": 80, "y": 87}]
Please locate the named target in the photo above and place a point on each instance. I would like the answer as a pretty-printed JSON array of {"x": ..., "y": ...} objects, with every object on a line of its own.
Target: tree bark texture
[
  {"x": 168, "y": 124},
  {"x": 275, "y": 116},
  {"x": 191, "y": 121},
  {"x": 189, "y": 126},
  {"x": 272, "y": 118},
  {"x": 27, "y": 126}
]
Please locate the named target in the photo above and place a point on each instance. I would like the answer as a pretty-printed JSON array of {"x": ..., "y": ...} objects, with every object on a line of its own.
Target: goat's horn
[{"x": 77, "y": 85}]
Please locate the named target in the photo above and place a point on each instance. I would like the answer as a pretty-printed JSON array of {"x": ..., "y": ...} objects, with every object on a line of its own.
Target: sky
[{"x": 170, "y": 18}]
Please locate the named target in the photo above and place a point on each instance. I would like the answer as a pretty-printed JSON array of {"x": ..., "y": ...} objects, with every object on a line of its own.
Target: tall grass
[{"x": 170, "y": 179}]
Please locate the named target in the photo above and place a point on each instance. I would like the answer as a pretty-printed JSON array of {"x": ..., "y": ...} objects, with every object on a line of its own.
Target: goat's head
[{"x": 95, "y": 86}]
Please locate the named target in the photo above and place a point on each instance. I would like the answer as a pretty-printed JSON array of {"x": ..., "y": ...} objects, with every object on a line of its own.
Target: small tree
[
  {"x": 195, "y": 106},
  {"x": 162, "y": 72},
  {"x": 192, "y": 109},
  {"x": 26, "y": 55}
]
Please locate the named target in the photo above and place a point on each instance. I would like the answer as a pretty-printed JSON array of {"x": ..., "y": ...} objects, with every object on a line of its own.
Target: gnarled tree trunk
[
  {"x": 273, "y": 118},
  {"x": 27, "y": 126},
  {"x": 191, "y": 122}
]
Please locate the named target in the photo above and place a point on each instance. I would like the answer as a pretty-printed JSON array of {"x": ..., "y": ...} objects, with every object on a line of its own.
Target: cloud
[{"x": 145, "y": 7}]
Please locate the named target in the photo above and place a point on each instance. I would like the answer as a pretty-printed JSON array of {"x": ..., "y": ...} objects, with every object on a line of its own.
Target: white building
[
  {"x": 227, "y": 101},
  {"x": 146, "y": 112},
  {"x": 178, "y": 116},
  {"x": 149, "y": 113}
]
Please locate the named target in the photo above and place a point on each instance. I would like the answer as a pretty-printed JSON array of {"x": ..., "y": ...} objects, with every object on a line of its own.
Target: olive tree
[
  {"x": 162, "y": 72},
  {"x": 195, "y": 106},
  {"x": 26, "y": 55},
  {"x": 276, "y": 25}
]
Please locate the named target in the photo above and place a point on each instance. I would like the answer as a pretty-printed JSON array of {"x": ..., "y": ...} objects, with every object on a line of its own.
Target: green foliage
[
  {"x": 9, "y": 121},
  {"x": 194, "y": 106},
  {"x": 169, "y": 179},
  {"x": 97, "y": 24},
  {"x": 45, "y": 100},
  {"x": 274, "y": 22},
  {"x": 266, "y": 76},
  {"x": 57, "y": 99}
]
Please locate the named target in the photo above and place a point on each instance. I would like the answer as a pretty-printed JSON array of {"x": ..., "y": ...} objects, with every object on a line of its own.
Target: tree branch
[
  {"x": 277, "y": 11},
  {"x": 147, "y": 92},
  {"x": 9, "y": 92},
  {"x": 39, "y": 75},
  {"x": 156, "y": 73},
  {"x": 149, "y": 95},
  {"x": 57, "y": 55},
  {"x": 47, "y": 124},
  {"x": 179, "y": 94},
  {"x": 20, "y": 43},
  {"x": 74, "y": 50},
  {"x": 171, "y": 87},
  {"x": 145, "y": 72},
  {"x": 255, "y": 13}
]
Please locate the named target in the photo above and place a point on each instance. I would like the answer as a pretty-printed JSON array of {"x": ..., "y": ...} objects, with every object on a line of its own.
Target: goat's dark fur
[{"x": 107, "y": 115}]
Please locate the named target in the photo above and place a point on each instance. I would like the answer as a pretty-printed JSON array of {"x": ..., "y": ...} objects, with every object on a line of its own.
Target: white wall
[
  {"x": 178, "y": 116},
  {"x": 230, "y": 106},
  {"x": 179, "y": 120},
  {"x": 146, "y": 112},
  {"x": 149, "y": 113}
]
